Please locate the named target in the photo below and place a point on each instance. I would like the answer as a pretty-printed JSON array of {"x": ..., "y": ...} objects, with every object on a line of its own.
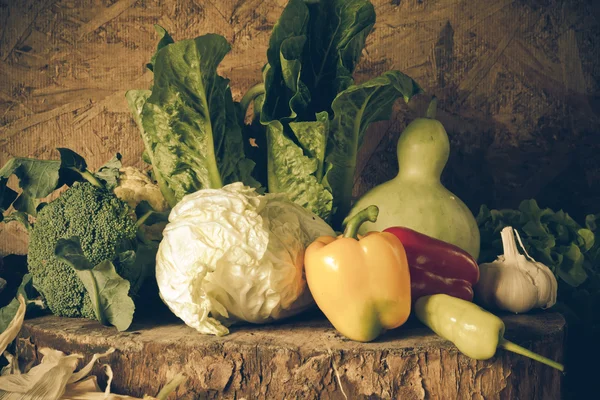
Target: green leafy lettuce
[
  {"x": 188, "y": 120},
  {"x": 315, "y": 115},
  {"x": 309, "y": 115}
]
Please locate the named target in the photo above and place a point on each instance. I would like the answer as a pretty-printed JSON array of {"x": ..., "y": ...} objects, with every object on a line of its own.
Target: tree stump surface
[{"x": 305, "y": 358}]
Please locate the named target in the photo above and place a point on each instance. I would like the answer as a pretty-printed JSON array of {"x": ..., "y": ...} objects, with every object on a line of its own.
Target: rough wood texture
[
  {"x": 307, "y": 359},
  {"x": 518, "y": 80}
]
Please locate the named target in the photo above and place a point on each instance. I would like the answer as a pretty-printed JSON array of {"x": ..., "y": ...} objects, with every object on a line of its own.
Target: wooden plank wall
[{"x": 518, "y": 83}]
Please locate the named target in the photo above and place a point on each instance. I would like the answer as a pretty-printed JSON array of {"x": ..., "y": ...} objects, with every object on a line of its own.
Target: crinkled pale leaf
[
  {"x": 12, "y": 367},
  {"x": 13, "y": 328},
  {"x": 88, "y": 389},
  {"x": 45, "y": 381},
  {"x": 49, "y": 379},
  {"x": 83, "y": 372},
  {"x": 354, "y": 109},
  {"x": 293, "y": 173},
  {"x": 231, "y": 254}
]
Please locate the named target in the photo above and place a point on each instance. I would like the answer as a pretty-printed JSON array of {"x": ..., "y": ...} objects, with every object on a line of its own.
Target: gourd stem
[
  {"x": 515, "y": 348},
  {"x": 368, "y": 214},
  {"x": 430, "y": 113}
]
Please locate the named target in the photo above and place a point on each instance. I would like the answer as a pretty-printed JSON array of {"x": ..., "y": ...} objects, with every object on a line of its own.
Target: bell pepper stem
[
  {"x": 430, "y": 113},
  {"x": 515, "y": 348},
  {"x": 368, "y": 214}
]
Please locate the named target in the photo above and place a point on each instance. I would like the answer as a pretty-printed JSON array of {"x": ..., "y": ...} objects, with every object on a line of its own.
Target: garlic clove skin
[
  {"x": 505, "y": 288},
  {"x": 515, "y": 282}
]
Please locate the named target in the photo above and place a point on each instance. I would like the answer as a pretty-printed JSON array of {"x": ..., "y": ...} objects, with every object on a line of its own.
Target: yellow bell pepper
[{"x": 361, "y": 285}]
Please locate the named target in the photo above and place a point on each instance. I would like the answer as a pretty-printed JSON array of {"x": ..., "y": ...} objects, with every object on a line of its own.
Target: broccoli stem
[{"x": 88, "y": 176}]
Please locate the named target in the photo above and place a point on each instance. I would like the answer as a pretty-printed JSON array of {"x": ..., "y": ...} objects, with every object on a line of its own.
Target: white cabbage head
[{"x": 231, "y": 254}]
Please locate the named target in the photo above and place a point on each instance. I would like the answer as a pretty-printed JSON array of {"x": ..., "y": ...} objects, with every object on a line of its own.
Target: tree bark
[{"x": 306, "y": 358}]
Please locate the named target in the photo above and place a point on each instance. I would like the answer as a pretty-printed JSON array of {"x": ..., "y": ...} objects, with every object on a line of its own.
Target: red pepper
[{"x": 436, "y": 266}]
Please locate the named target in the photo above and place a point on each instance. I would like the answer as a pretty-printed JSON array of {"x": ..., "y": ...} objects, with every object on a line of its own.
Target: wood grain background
[{"x": 518, "y": 83}]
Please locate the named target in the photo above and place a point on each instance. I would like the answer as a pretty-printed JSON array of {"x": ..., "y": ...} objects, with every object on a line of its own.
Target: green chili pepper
[{"x": 476, "y": 332}]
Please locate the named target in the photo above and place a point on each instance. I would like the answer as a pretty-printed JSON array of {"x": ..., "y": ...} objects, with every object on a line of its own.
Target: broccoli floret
[{"x": 105, "y": 225}]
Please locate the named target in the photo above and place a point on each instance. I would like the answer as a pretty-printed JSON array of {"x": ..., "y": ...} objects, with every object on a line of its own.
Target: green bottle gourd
[{"x": 416, "y": 198}]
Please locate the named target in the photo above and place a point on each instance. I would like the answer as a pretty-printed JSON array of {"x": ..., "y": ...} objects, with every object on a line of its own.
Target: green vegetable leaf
[
  {"x": 354, "y": 109},
  {"x": 109, "y": 172},
  {"x": 337, "y": 33},
  {"x": 586, "y": 239},
  {"x": 37, "y": 178},
  {"x": 291, "y": 172},
  {"x": 165, "y": 40},
  {"x": 190, "y": 125},
  {"x": 108, "y": 291},
  {"x": 313, "y": 51},
  {"x": 20, "y": 217},
  {"x": 7, "y": 197},
  {"x": 73, "y": 168},
  {"x": 32, "y": 299},
  {"x": 571, "y": 268},
  {"x": 312, "y": 136},
  {"x": 285, "y": 93},
  {"x": 113, "y": 291}
]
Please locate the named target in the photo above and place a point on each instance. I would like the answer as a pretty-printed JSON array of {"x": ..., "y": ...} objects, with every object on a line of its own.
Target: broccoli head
[{"x": 106, "y": 227}]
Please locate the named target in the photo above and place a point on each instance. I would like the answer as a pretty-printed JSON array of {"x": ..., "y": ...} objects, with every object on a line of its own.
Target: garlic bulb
[{"x": 515, "y": 282}]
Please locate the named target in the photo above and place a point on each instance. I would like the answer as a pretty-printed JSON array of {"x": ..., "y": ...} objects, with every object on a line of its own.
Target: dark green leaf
[
  {"x": 7, "y": 196},
  {"x": 72, "y": 167},
  {"x": 291, "y": 172},
  {"x": 337, "y": 33},
  {"x": 285, "y": 94},
  {"x": 26, "y": 204},
  {"x": 571, "y": 269},
  {"x": 591, "y": 222},
  {"x": 108, "y": 291},
  {"x": 109, "y": 172},
  {"x": 354, "y": 109},
  {"x": 165, "y": 40},
  {"x": 587, "y": 239},
  {"x": 148, "y": 216},
  {"x": 19, "y": 217},
  {"x": 71, "y": 160},
  {"x": 37, "y": 178},
  {"x": 113, "y": 294},
  {"x": 69, "y": 251}
]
